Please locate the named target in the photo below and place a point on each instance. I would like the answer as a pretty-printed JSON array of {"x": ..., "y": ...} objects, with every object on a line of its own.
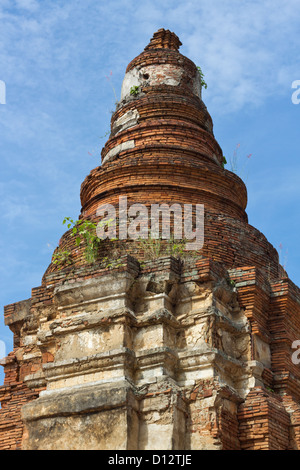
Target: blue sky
[{"x": 55, "y": 58}]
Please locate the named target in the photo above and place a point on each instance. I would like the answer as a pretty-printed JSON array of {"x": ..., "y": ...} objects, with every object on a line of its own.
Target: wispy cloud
[
  {"x": 244, "y": 49},
  {"x": 31, "y": 5}
]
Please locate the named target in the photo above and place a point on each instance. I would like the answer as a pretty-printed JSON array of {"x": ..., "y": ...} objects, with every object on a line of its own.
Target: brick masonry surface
[{"x": 141, "y": 349}]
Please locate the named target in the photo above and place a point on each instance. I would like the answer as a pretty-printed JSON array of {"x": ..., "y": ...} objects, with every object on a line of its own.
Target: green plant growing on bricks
[
  {"x": 61, "y": 258},
  {"x": 224, "y": 161},
  {"x": 134, "y": 90},
  {"x": 176, "y": 248},
  {"x": 203, "y": 82},
  {"x": 85, "y": 231},
  {"x": 154, "y": 248}
]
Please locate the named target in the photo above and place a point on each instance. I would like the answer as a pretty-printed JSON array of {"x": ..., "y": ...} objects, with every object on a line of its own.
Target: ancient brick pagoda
[{"x": 159, "y": 354}]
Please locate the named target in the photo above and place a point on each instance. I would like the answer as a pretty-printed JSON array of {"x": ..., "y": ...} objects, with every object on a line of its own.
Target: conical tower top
[{"x": 162, "y": 150}]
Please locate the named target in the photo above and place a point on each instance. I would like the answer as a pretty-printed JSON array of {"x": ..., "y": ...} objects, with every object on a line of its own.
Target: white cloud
[
  {"x": 244, "y": 48},
  {"x": 30, "y": 5}
]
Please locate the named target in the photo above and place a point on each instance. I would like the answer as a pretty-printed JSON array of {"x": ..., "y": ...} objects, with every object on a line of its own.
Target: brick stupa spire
[
  {"x": 129, "y": 352},
  {"x": 162, "y": 150}
]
